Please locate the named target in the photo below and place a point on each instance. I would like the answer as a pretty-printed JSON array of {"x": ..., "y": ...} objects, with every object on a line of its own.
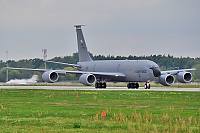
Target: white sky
[{"x": 128, "y": 27}]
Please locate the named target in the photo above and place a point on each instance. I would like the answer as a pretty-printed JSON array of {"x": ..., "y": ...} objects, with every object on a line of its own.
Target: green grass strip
[{"x": 80, "y": 111}]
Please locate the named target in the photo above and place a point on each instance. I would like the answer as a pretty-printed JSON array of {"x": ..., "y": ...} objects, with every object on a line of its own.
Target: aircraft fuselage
[{"x": 134, "y": 70}]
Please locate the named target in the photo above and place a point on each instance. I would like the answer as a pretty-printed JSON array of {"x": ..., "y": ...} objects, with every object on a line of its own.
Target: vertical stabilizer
[{"x": 82, "y": 48}]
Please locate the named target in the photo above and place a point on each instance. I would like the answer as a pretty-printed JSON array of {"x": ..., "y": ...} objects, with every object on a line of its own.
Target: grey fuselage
[{"x": 134, "y": 70}]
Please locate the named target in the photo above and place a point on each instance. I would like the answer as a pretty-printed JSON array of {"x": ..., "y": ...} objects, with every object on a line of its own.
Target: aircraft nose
[{"x": 156, "y": 71}]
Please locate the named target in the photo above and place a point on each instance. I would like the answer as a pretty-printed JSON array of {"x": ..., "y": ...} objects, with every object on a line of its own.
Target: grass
[{"x": 80, "y": 111}]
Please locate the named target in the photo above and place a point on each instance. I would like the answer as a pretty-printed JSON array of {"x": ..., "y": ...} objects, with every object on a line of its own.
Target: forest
[{"x": 166, "y": 62}]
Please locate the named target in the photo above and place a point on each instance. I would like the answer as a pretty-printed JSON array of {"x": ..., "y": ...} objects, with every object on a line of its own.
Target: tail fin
[{"x": 82, "y": 48}]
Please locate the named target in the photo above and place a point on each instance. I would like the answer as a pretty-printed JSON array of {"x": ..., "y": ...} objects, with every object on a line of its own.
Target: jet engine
[
  {"x": 184, "y": 77},
  {"x": 166, "y": 80},
  {"x": 87, "y": 79},
  {"x": 50, "y": 76}
]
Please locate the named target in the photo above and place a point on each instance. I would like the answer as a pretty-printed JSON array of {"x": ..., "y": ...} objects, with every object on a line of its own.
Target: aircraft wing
[
  {"x": 67, "y": 64},
  {"x": 61, "y": 72},
  {"x": 113, "y": 74},
  {"x": 64, "y": 72},
  {"x": 27, "y": 69},
  {"x": 175, "y": 72}
]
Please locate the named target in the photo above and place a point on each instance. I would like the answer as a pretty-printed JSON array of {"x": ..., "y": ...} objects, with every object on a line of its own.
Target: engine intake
[
  {"x": 184, "y": 77},
  {"x": 166, "y": 80},
  {"x": 50, "y": 76},
  {"x": 87, "y": 79}
]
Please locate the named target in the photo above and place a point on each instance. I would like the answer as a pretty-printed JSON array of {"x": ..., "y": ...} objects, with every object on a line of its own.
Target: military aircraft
[
  {"x": 100, "y": 72},
  {"x": 32, "y": 80}
]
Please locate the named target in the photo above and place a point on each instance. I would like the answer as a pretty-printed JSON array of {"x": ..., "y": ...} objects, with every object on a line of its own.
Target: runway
[{"x": 92, "y": 88}]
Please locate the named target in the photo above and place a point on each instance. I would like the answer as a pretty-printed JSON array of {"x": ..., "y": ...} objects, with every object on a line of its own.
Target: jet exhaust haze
[{"x": 32, "y": 80}]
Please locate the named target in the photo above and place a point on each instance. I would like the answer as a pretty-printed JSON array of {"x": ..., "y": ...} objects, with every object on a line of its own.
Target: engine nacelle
[
  {"x": 184, "y": 77},
  {"x": 50, "y": 76},
  {"x": 87, "y": 79},
  {"x": 166, "y": 80}
]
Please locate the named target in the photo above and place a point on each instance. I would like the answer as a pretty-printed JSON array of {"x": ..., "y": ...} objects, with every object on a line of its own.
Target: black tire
[
  {"x": 128, "y": 85},
  {"x": 149, "y": 86},
  {"x": 132, "y": 85},
  {"x": 97, "y": 85},
  {"x": 137, "y": 85},
  {"x": 103, "y": 85},
  {"x": 100, "y": 85}
]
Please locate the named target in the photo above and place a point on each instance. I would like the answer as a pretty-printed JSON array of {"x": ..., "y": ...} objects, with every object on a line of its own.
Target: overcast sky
[{"x": 128, "y": 27}]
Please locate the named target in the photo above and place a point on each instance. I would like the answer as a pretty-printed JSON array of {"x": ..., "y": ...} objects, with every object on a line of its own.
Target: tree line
[{"x": 166, "y": 62}]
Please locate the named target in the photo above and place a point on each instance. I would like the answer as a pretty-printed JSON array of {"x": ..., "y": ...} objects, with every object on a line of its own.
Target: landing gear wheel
[
  {"x": 132, "y": 85},
  {"x": 104, "y": 85},
  {"x": 129, "y": 85},
  {"x": 147, "y": 85},
  {"x": 97, "y": 85},
  {"x": 136, "y": 85},
  {"x": 100, "y": 85}
]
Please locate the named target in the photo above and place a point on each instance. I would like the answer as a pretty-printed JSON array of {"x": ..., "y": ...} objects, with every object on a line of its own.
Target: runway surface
[{"x": 92, "y": 88}]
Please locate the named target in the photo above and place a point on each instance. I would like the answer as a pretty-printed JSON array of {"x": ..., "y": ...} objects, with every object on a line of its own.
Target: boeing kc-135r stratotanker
[{"x": 102, "y": 71}]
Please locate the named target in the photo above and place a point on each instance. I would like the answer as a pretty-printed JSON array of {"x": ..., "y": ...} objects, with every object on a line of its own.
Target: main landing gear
[
  {"x": 136, "y": 85},
  {"x": 147, "y": 85},
  {"x": 132, "y": 85},
  {"x": 99, "y": 84}
]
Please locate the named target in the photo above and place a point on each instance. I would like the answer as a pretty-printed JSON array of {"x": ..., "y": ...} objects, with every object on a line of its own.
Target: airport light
[
  {"x": 6, "y": 66},
  {"x": 45, "y": 56}
]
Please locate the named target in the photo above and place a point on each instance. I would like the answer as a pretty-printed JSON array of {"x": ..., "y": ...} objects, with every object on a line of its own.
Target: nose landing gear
[{"x": 147, "y": 85}]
